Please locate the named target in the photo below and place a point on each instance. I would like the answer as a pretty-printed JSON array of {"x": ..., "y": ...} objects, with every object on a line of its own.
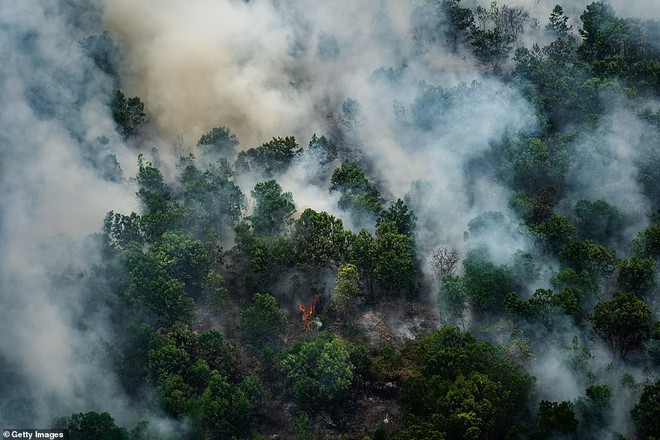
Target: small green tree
[
  {"x": 262, "y": 322},
  {"x": 404, "y": 218},
  {"x": 363, "y": 254},
  {"x": 322, "y": 149},
  {"x": 219, "y": 141},
  {"x": 452, "y": 299},
  {"x": 352, "y": 118},
  {"x": 556, "y": 233},
  {"x": 128, "y": 114},
  {"x": 347, "y": 288}
]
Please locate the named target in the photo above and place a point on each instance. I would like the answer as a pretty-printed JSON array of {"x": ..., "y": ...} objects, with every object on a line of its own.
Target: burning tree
[{"x": 308, "y": 314}]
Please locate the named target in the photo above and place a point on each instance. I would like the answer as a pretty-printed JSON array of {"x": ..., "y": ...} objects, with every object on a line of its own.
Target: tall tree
[
  {"x": 395, "y": 262},
  {"x": 347, "y": 288},
  {"x": 273, "y": 209},
  {"x": 624, "y": 322},
  {"x": 493, "y": 32}
]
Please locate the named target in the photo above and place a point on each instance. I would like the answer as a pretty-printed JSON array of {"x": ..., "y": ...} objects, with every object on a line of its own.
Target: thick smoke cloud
[
  {"x": 275, "y": 68},
  {"x": 54, "y": 186}
]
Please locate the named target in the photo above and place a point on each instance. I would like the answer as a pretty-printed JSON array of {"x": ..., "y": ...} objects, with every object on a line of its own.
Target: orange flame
[{"x": 308, "y": 314}]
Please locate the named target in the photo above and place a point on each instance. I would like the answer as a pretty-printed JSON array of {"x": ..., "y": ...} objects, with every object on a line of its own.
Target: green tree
[
  {"x": 624, "y": 322},
  {"x": 647, "y": 243},
  {"x": 262, "y": 322},
  {"x": 184, "y": 258},
  {"x": 493, "y": 32},
  {"x": 156, "y": 199},
  {"x": 302, "y": 427},
  {"x": 219, "y": 141},
  {"x": 175, "y": 395},
  {"x": 363, "y": 254},
  {"x": 216, "y": 291},
  {"x": 347, "y": 288},
  {"x": 646, "y": 413},
  {"x": 154, "y": 288},
  {"x": 323, "y": 149},
  {"x": 266, "y": 258},
  {"x": 321, "y": 242},
  {"x": 271, "y": 158},
  {"x": 487, "y": 284},
  {"x": 464, "y": 389},
  {"x": 128, "y": 114},
  {"x": 212, "y": 202},
  {"x": 217, "y": 352},
  {"x": 589, "y": 256},
  {"x": 452, "y": 299},
  {"x": 581, "y": 281},
  {"x": 593, "y": 409},
  {"x": 536, "y": 163},
  {"x": 131, "y": 362},
  {"x": 225, "y": 409},
  {"x": 545, "y": 304},
  {"x": 273, "y": 210},
  {"x": 602, "y": 32},
  {"x": 475, "y": 407},
  {"x": 352, "y": 118},
  {"x": 404, "y": 218},
  {"x": 91, "y": 425},
  {"x": 556, "y": 233},
  {"x": 120, "y": 230},
  {"x": 564, "y": 92},
  {"x": 319, "y": 371},
  {"x": 459, "y": 20},
  {"x": 557, "y": 417},
  {"x": 357, "y": 194},
  {"x": 395, "y": 260},
  {"x": 636, "y": 275},
  {"x": 558, "y": 22},
  {"x": 598, "y": 221},
  {"x": 269, "y": 258}
]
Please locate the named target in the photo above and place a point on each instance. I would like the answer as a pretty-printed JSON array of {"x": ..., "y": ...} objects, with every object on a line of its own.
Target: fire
[{"x": 308, "y": 314}]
